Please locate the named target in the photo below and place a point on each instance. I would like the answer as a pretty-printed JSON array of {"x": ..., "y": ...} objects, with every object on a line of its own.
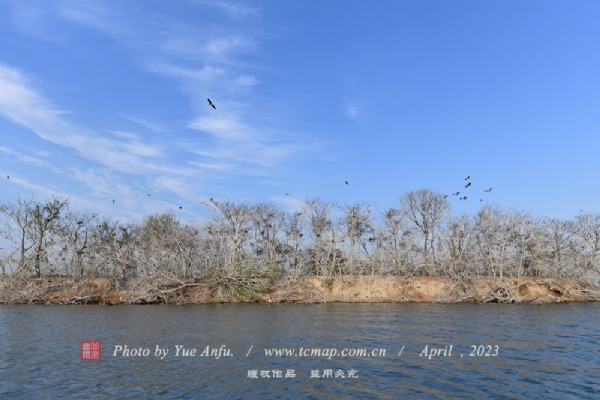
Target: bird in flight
[
  {"x": 445, "y": 195},
  {"x": 467, "y": 178},
  {"x": 463, "y": 198},
  {"x": 346, "y": 182},
  {"x": 113, "y": 201},
  {"x": 7, "y": 177},
  {"x": 210, "y": 103},
  {"x": 287, "y": 194},
  {"x": 489, "y": 190},
  {"x": 480, "y": 199},
  {"x": 455, "y": 194},
  {"x": 148, "y": 194},
  {"x": 180, "y": 207},
  {"x": 468, "y": 184}
]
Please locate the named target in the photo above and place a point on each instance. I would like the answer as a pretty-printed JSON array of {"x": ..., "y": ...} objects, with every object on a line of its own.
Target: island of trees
[{"x": 51, "y": 252}]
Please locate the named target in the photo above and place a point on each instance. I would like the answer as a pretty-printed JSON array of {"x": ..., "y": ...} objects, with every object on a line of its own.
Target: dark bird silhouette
[
  {"x": 468, "y": 184},
  {"x": 480, "y": 199},
  {"x": 211, "y": 199},
  {"x": 210, "y": 103},
  {"x": 489, "y": 190},
  {"x": 455, "y": 194},
  {"x": 180, "y": 207},
  {"x": 287, "y": 194},
  {"x": 445, "y": 195},
  {"x": 467, "y": 178},
  {"x": 148, "y": 194},
  {"x": 7, "y": 177},
  {"x": 346, "y": 182},
  {"x": 113, "y": 201},
  {"x": 463, "y": 198}
]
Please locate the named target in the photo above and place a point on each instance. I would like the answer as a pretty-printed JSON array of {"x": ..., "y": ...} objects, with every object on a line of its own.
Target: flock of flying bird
[
  {"x": 466, "y": 186},
  {"x": 210, "y": 103}
]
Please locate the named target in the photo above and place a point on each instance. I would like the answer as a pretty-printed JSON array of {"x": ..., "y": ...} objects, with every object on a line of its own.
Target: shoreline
[{"x": 303, "y": 290}]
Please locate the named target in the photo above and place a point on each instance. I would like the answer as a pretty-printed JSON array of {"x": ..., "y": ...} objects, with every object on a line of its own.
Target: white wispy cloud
[
  {"x": 23, "y": 105},
  {"x": 182, "y": 187},
  {"x": 217, "y": 166},
  {"x": 45, "y": 191},
  {"x": 28, "y": 159},
  {"x": 351, "y": 112},
  {"x": 234, "y": 140},
  {"x": 204, "y": 61},
  {"x": 234, "y": 8},
  {"x": 152, "y": 126},
  {"x": 123, "y": 134}
]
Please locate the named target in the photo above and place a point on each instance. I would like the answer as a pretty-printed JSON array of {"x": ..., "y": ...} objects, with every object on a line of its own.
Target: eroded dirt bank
[{"x": 347, "y": 289}]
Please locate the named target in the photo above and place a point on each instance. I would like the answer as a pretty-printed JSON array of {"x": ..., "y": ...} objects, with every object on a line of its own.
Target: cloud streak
[
  {"x": 204, "y": 60},
  {"x": 22, "y": 105}
]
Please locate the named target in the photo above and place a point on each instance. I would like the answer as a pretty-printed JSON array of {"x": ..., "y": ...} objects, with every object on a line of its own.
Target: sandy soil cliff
[{"x": 298, "y": 290}]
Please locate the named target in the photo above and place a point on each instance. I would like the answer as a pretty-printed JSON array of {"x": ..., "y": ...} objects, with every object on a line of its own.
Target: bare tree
[
  {"x": 399, "y": 241},
  {"x": 587, "y": 228},
  {"x": 72, "y": 240},
  {"x": 243, "y": 247},
  {"x": 427, "y": 210},
  {"x": 268, "y": 222},
  {"x": 37, "y": 221},
  {"x": 16, "y": 227},
  {"x": 234, "y": 227},
  {"x": 317, "y": 214},
  {"x": 558, "y": 240},
  {"x": 293, "y": 230},
  {"x": 459, "y": 242},
  {"x": 357, "y": 227}
]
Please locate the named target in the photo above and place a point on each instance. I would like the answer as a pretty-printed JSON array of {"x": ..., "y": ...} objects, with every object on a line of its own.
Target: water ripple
[{"x": 544, "y": 352}]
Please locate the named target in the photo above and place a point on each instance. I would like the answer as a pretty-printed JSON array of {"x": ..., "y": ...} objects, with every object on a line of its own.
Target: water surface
[{"x": 549, "y": 351}]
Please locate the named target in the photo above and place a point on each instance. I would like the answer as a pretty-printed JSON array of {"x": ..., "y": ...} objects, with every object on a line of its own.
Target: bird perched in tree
[
  {"x": 210, "y": 103},
  {"x": 467, "y": 178},
  {"x": 468, "y": 184},
  {"x": 455, "y": 194},
  {"x": 346, "y": 182},
  {"x": 489, "y": 190}
]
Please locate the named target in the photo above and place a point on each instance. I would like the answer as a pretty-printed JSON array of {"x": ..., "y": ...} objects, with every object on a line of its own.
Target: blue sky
[{"x": 107, "y": 100}]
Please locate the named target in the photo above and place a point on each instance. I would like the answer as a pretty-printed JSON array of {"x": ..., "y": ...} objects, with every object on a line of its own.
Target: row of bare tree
[{"x": 417, "y": 236}]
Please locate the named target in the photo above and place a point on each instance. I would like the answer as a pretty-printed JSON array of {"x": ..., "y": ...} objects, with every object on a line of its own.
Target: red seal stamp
[{"x": 90, "y": 350}]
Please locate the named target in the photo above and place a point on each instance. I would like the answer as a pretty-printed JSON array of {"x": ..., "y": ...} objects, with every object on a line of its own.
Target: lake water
[{"x": 545, "y": 352}]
